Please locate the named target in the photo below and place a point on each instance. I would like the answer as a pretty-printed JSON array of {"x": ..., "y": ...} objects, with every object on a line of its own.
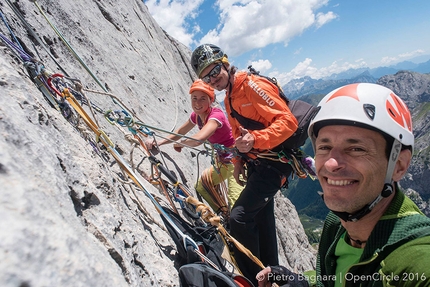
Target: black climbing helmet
[{"x": 204, "y": 55}]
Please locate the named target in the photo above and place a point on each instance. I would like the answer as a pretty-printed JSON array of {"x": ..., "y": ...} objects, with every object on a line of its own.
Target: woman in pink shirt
[{"x": 215, "y": 128}]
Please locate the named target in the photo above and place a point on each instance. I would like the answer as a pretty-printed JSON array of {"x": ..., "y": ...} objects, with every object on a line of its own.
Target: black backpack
[
  {"x": 207, "y": 237},
  {"x": 193, "y": 271},
  {"x": 303, "y": 111},
  {"x": 203, "y": 275}
]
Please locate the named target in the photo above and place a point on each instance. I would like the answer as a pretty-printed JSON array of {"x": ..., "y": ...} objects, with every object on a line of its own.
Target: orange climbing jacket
[{"x": 256, "y": 98}]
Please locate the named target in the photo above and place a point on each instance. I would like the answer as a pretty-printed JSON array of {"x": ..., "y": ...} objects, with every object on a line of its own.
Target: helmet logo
[
  {"x": 346, "y": 91},
  {"x": 399, "y": 112},
  {"x": 369, "y": 110},
  {"x": 206, "y": 54}
]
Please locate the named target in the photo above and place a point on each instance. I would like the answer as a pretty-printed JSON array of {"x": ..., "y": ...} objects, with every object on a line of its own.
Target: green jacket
[{"x": 397, "y": 253}]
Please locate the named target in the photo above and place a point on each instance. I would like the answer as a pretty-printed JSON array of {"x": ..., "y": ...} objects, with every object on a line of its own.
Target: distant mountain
[
  {"x": 382, "y": 71},
  {"x": 420, "y": 59},
  {"x": 405, "y": 65},
  {"x": 296, "y": 85},
  {"x": 423, "y": 67},
  {"x": 348, "y": 74},
  {"x": 307, "y": 86}
]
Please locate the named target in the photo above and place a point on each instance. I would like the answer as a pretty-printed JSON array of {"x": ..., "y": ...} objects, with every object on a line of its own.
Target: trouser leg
[
  {"x": 267, "y": 234},
  {"x": 234, "y": 189},
  {"x": 252, "y": 221},
  {"x": 204, "y": 193}
]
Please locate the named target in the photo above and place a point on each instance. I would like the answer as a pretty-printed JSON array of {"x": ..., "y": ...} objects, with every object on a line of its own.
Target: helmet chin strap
[{"x": 386, "y": 191}]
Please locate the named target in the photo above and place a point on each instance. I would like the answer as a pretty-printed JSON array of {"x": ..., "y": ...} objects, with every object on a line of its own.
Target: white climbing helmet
[
  {"x": 365, "y": 105},
  {"x": 369, "y": 106}
]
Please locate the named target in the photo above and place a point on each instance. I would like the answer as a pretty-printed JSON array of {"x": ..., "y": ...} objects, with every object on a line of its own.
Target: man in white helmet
[{"x": 373, "y": 235}]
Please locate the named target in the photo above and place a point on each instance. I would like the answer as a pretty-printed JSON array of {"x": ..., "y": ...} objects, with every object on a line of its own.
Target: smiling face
[
  {"x": 351, "y": 165},
  {"x": 218, "y": 82},
  {"x": 200, "y": 102}
]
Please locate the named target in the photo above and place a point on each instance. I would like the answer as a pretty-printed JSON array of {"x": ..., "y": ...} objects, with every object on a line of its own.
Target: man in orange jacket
[{"x": 268, "y": 124}]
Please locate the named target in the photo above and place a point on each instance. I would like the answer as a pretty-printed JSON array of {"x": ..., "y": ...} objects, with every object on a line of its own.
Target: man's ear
[{"x": 402, "y": 164}]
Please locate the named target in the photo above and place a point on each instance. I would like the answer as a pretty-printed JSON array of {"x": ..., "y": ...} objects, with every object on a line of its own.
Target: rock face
[
  {"x": 69, "y": 216},
  {"x": 414, "y": 89}
]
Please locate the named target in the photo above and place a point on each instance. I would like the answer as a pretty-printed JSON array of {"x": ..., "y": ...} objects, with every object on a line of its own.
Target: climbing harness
[{"x": 302, "y": 165}]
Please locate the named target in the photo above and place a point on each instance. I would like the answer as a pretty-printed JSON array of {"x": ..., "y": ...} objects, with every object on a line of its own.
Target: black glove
[{"x": 284, "y": 277}]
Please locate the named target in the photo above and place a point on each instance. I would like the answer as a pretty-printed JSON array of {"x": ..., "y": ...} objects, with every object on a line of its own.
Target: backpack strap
[{"x": 247, "y": 123}]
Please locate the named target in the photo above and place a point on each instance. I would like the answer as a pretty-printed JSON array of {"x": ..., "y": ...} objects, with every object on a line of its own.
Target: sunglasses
[{"x": 212, "y": 74}]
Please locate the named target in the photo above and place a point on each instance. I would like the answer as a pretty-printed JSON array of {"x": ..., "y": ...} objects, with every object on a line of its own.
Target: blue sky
[{"x": 295, "y": 38}]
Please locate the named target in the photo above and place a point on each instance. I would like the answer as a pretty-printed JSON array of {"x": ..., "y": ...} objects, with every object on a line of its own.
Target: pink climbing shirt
[{"x": 223, "y": 134}]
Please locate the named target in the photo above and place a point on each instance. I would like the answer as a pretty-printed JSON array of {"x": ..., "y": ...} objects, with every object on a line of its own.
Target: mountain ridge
[{"x": 307, "y": 86}]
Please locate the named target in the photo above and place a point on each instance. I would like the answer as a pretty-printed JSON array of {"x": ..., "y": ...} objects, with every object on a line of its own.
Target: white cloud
[
  {"x": 261, "y": 65},
  {"x": 322, "y": 19},
  {"x": 388, "y": 60},
  {"x": 401, "y": 57},
  {"x": 246, "y": 25},
  {"x": 305, "y": 68},
  {"x": 173, "y": 16},
  {"x": 298, "y": 51},
  {"x": 412, "y": 54}
]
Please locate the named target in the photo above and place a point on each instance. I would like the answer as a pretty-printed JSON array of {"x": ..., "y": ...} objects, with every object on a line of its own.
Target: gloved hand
[{"x": 281, "y": 276}]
